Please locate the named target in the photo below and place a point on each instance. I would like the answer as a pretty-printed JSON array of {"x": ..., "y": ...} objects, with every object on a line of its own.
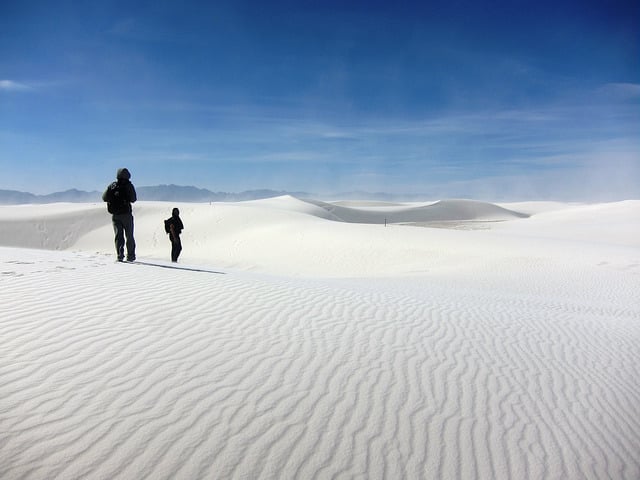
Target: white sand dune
[
  {"x": 328, "y": 349},
  {"x": 444, "y": 210}
]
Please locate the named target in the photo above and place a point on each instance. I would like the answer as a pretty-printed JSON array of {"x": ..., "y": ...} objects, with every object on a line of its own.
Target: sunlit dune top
[{"x": 293, "y": 236}]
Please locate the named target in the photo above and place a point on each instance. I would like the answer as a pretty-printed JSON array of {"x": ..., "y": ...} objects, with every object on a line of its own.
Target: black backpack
[
  {"x": 116, "y": 199},
  {"x": 167, "y": 225}
]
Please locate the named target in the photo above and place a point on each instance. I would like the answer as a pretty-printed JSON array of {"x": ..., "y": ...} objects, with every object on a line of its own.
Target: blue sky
[{"x": 488, "y": 100}]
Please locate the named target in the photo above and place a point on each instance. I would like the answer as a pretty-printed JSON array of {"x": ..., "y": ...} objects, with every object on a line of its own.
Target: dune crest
[
  {"x": 441, "y": 211},
  {"x": 290, "y": 236}
]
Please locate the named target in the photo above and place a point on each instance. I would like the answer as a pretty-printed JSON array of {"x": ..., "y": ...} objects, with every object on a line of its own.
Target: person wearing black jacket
[
  {"x": 119, "y": 196},
  {"x": 174, "y": 227}
]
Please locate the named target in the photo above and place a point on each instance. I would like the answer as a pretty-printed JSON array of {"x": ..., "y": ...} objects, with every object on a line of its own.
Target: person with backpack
[
  {"x": 119, "y": 196},
  {"x": 173, "y": 226}
]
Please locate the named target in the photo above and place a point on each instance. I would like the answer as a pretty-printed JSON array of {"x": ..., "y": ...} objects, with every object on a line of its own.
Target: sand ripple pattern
[{"x": 241, "y": 376}]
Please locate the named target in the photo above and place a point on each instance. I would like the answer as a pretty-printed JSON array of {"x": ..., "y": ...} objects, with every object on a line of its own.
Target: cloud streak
[{"x": 13, "y": 86}]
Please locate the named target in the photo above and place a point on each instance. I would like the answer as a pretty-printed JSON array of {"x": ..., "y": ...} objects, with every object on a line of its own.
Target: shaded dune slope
[
  {"x": 442, "y": 211},
  {"x": 57, "y": 230}
]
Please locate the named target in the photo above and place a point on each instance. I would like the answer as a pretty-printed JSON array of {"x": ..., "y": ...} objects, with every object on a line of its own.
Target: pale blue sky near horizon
[{"x": 495, "y": 100}]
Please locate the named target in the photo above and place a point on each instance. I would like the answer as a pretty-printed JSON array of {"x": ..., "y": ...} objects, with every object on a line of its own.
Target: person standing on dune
[
  {"x": 119, "y": 196},
  {"x": 173, "y": 226}
]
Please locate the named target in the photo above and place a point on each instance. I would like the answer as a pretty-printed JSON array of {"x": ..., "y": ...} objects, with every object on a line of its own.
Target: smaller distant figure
[
  {"x": 119, "y": 196},
  {"x": 173, "y": 226}
]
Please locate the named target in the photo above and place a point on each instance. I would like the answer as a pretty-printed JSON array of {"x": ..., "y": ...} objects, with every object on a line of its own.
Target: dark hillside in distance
[{"x": 162, "y": 193}]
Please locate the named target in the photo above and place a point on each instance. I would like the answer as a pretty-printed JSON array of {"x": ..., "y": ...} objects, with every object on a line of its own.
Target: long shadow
[{"x": 177, "y": 267}]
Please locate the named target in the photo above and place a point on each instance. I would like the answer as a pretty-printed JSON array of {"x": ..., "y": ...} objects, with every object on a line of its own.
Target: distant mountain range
[
  {"x": 167, "y": 193},
  {"x": 12, "y": 197},
  {"x": 177, "y": 193}
]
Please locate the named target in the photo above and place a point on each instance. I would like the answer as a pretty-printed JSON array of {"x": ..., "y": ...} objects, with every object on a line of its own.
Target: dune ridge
[
  {"x": 441, "y": 211},
  {"x": 506, "y": 353}
]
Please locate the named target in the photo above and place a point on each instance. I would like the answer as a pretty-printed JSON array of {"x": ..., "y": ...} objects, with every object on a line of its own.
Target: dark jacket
[
  {"x": 175, "y": 222},
  {"x": 120, "y": 194}
]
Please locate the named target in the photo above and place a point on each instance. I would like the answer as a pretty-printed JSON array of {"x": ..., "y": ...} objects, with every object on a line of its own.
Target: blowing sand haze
[{"x": 504, "y": 345}]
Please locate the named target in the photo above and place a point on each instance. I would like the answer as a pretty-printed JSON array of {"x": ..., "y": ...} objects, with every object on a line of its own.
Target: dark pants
[
  {"x": 176, "y": 247},
  {"x": 123, "y": 227}
]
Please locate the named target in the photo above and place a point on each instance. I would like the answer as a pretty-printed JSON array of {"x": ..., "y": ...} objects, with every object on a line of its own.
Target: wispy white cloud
[
  {"x": 12, "y": 86},
  {"x": 37, "y": 86},
  {"x": 623, "y": 91}
]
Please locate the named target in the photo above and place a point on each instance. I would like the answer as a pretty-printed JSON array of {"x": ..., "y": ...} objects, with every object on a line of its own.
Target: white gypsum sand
[{"x": 507, "y": 348}]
